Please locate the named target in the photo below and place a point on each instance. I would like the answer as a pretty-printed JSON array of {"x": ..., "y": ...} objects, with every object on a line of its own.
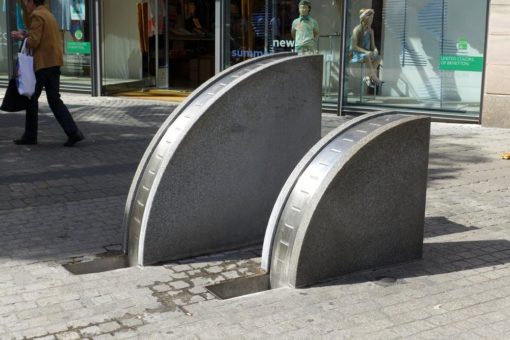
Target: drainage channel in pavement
[
  {"x": 224, "y": 290},
  {"x": 240, "y": 286},
  {"x": 106, "y": 262}
]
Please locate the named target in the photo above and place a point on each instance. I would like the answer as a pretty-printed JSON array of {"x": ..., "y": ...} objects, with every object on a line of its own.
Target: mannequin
[
  {"x": 305, "y": 30},
  {"x": 192, "y": 22},
  {"x": 364, "y": 49}
]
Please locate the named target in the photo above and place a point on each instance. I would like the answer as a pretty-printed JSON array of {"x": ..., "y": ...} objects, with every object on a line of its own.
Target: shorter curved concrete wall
[{"x": 355, "y": 201}]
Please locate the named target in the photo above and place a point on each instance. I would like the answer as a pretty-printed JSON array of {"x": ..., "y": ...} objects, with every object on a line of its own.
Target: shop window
[
  {"x": 258, "y": 27},
  {"x": 73, "y": 17},
  {"x": 431, "y": 55},
  {"x": 190, "y": 42}
]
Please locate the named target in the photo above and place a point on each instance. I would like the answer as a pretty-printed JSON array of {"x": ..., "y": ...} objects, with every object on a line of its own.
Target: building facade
[
  {"x": 439, "y": 57},
  {"x": 496, "y": 98}
]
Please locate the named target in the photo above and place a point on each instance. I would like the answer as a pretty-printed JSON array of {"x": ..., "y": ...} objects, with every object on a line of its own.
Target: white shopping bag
[{"x": 25, "y": 75}]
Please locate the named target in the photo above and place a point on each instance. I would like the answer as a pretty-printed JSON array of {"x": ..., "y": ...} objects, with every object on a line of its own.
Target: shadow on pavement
[
  {"x": 438, "y": 258},
  {"x": 440, "y": 225},
  {"x": 100, "y": 166},
  {"x": 444, "y": 163}
]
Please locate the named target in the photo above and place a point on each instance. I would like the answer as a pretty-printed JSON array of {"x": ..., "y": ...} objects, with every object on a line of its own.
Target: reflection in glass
[{"x": 258, "y": 27}]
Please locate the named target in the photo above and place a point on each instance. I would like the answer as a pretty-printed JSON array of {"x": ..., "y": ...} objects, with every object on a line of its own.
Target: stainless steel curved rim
[{"x": 304, "y": 196}]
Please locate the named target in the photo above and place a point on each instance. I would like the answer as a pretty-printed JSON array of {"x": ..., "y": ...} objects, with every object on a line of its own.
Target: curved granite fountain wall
[
  {"x": 208, "y": 180},
  {"x": 355, "y": 201}
]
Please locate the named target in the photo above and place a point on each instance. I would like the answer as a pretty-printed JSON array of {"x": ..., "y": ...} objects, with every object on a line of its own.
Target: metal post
[
  {"x": 342, "y": 59},
  {"x": 96, "y": 52},
  {"x": 219, "y": 35},
  {"x": 266, "y": 27},
  {"x": 10, "y": 26},
  {"x": 486, "y": 35},
  {"x": 155, "y": 5}
]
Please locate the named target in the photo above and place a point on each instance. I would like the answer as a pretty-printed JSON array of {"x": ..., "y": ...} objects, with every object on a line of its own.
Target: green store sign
[
  {"x": 75, "y": 47},
  {"x": 462, "y": 44},
  {"x": 461, "y": 63},
  {"x": 78, "y": 34}
]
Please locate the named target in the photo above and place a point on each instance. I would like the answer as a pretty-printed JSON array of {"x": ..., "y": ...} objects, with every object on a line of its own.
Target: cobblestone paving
[{"x": 65, "y": 205}]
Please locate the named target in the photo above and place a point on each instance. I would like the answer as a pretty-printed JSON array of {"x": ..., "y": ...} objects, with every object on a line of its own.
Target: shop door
[{"x": 129, "y": 44}]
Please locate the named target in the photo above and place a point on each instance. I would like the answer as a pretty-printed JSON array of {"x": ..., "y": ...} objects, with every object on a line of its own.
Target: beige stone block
[
  {"x": 498, "y": 50},
  {"x": 498, "y": 19},
  {"x": 500, "y": 2},
  {"x": 496, "y": 111},
  {"x": 497, "y": 79}
]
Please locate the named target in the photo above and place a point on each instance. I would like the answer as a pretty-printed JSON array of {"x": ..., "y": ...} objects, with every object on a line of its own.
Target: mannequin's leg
[{"x": 372, "y": 66}]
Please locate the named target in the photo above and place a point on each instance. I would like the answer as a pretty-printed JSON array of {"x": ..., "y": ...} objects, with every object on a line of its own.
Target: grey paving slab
[{"x": 60, "y": 205}]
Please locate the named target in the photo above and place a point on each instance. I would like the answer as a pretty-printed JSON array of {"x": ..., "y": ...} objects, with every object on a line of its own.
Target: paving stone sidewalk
[{"x": 65, "y": 205}]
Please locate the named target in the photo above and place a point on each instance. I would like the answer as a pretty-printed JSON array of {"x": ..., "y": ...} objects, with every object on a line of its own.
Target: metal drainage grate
[
  {"x": 239, "y": 287},
  {"x": 99, "y": 265}
]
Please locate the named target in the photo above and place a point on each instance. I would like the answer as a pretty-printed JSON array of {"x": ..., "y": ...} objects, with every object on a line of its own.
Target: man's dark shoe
[
  {"x": 74, "y": 138},
  {"x": 25, "y": 141}
]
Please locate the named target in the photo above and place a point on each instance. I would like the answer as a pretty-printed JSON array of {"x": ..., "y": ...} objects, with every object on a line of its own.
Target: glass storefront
[
  {"x": 431, "y": 55},
  {"x": 258, "y": 27},
  {"x": 329, "y": 16}
]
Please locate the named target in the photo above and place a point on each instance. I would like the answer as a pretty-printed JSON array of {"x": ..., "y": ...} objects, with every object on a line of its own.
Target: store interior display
[
  {"x": 190, "y": 42},
  {"x": 184, "y": 30}
]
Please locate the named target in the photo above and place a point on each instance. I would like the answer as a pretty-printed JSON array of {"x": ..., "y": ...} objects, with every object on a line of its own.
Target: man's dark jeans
[{"x": 49, "y": 78}]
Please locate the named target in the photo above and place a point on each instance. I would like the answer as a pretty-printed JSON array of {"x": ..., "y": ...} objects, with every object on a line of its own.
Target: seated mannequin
[{"x": 363, "y": 47}]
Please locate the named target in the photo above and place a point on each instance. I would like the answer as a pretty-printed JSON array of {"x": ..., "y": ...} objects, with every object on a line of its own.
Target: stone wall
[{"x": 496, "y": 101}]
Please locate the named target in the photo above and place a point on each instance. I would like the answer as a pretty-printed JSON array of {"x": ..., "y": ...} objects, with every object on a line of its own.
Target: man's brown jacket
[{"x": 44, "y": 39}]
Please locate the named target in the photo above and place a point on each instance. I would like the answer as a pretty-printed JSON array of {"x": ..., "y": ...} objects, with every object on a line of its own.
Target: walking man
[{"x": 45, "y": 41}]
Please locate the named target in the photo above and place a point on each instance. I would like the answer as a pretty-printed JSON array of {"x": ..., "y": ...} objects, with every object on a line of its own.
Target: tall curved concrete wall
[
  {"x": 355, "y": 201},
  {"x": 216, "y": 166},
  {"x": 200, "y": 92}
]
